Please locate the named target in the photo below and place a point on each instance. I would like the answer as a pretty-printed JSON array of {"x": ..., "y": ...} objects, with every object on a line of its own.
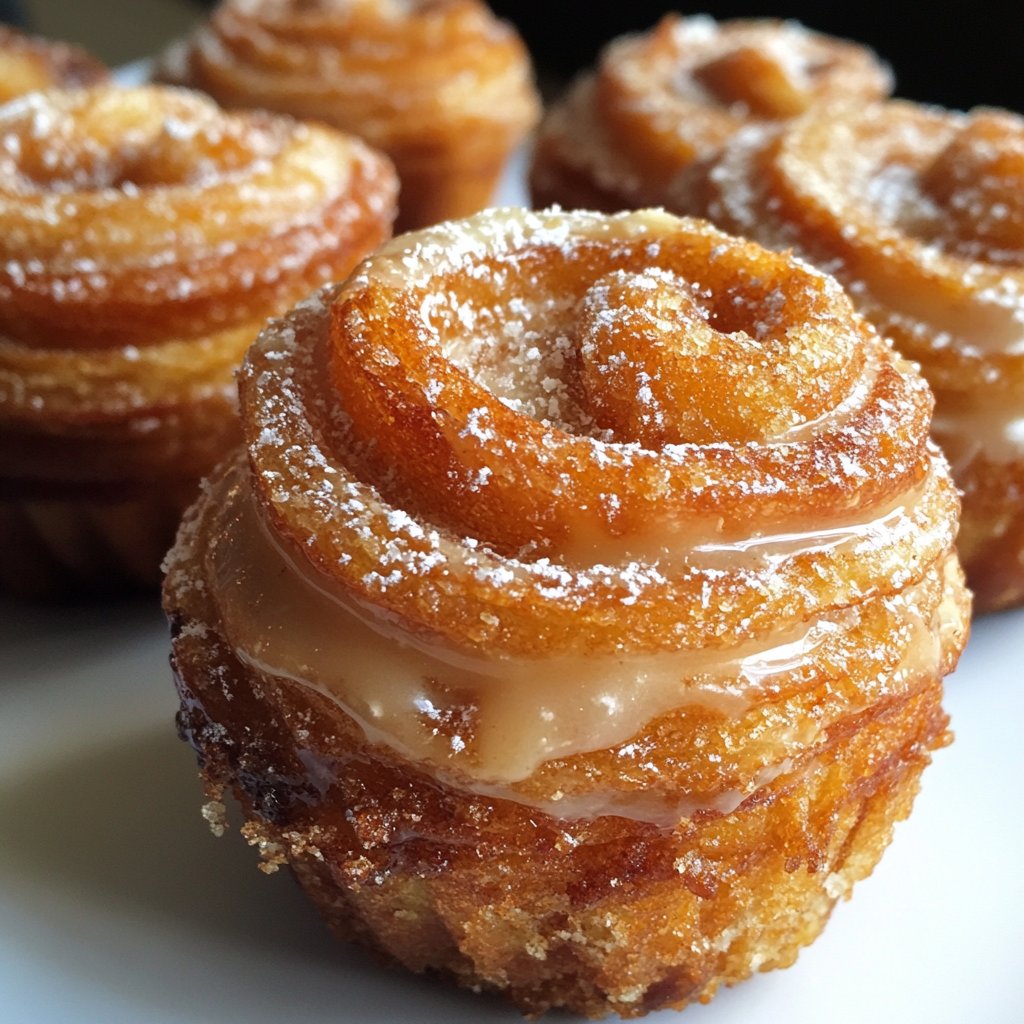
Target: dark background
[{"x": 958, "y": 55}]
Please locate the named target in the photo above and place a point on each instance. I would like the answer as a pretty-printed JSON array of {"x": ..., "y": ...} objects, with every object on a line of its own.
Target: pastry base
[
  {"x": 553, "y": 181},
  {"x": 656, "y": 945},
  {"x": 991, "y": 540},
  {"x": 57, "y": 548},
  {"x": 612, "y": 915},
  {"x": 445, "y": 187}
]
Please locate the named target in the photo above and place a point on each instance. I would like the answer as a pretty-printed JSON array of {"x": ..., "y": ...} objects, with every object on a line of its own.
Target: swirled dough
[{"x": 660, "y": 100}]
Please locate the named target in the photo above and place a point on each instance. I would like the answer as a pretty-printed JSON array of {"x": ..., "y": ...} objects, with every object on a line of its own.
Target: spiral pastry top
[
  {"x": 441, "y": 86},
  {"x": 534, "y": 469},
  {"x": 662, "y": 99},
  {"x": 919, "y": 212},
  {"x": 28, "y": 63},
  {"x": 144, "y": 238}
]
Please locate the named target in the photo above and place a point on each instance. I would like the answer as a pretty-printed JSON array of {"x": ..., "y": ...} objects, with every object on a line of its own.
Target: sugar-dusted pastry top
[
  {"x": 920, "y": 212},
  {"x": 662, "y": 99},
  {"x": 145, "y": 235},
  {"x": 28, "y": 63},
  {"x": 529, "y": 482},
  {"x": 388, "y": 70}
]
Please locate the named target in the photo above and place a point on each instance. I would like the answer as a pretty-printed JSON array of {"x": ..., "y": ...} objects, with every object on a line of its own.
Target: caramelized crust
[
  {"x": 545, "y": 662},
  {"x": 441, "y": 86},
  {"x": 28, "y": 63},
  {"x": 145, "y": 236},
  {"x": 919, "y": 212},
  {"x": 662, "y": 99}
]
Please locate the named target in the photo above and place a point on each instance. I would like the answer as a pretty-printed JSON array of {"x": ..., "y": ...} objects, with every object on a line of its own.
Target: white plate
[{"x": 117, "y": 905}]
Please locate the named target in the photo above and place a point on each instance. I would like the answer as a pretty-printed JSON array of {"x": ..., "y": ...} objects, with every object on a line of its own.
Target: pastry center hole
[
  {"x": 662, "y": 361},
  {"x": 759, "y": 79}
]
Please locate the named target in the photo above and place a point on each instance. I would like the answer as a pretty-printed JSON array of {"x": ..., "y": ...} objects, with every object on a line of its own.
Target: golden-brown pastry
[
  {"x": 661, "y": 99},
  {"x": 28, "y": 63},
  {"x": 574, "y": 622},
  {"x": 145, "y": 237},
  {"x": 441, "y": 86},
  {"x": 920, "y": 212}
]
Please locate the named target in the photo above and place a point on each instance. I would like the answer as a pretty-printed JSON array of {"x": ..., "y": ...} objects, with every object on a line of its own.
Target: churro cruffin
[
  {"x": 573, "y": 623},
  {"x": 28, "y": 63},
  {"x": 919, "y": 212},
  {"x": 660, "y": 99},
  {"x": 443, "y": 87},
  {"x": 145, "y": 237}
]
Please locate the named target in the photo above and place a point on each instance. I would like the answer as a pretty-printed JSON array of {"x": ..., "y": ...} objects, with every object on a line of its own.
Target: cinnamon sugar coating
[
  {"x": 29, "y": 62},
  {"x": 542, "y": 668},
  {"x": 659, "y": 100},
  {"x": 441, "y": 86},
  {"x": 145, "y": 236},
  {"x": 919, "y": 212}
]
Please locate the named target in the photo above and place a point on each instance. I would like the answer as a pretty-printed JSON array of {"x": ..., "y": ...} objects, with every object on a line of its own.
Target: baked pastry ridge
[
  {"x": 918, "y": 212},
  {"x": 145, "y": 237},
  {"x": 442, "y": 87},
  {"x": 545, "y": 662},
  {"x": 659, "y": 100}
]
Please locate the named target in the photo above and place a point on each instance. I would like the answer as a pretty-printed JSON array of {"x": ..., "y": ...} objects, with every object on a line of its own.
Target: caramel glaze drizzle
[{"x": 432, "y": 532}]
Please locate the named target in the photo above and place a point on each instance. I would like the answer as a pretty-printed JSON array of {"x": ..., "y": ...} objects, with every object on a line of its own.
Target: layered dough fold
[
  {"x": 444, "y": 88},
  {"x": 145, "y": 237},
  {"x": 662, "y": 99},
  {"x": 576, "y": 566},
  {"x": 919, "y": 212}
]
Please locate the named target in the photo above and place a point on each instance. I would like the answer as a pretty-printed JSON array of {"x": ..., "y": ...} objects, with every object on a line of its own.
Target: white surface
[{"x": 117, "y": 905}]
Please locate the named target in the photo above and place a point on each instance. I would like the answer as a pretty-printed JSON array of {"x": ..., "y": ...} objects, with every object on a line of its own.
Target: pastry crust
[
  {"x": 145, "y": 237},
  {"x": 441, "y": 86},
  {"x": 29, "y": 62},
  {"x": 918, "y": 212},
  {"x": 660, "y": 100},
  {"x": 560, "y": 654}
]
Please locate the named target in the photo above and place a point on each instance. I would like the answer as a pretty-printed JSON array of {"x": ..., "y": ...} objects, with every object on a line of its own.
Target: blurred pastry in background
[
  {"x": 920, "y": 213},
  {"x": 442, "y": 87},
  {"x": 145, "y": 237},
  {"x": 661, "y": 99},
  {"x": 30, "y": 62}
]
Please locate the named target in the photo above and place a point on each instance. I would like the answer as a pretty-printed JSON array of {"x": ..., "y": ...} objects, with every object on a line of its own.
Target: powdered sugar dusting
[{"x": 484, "y": 289}]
